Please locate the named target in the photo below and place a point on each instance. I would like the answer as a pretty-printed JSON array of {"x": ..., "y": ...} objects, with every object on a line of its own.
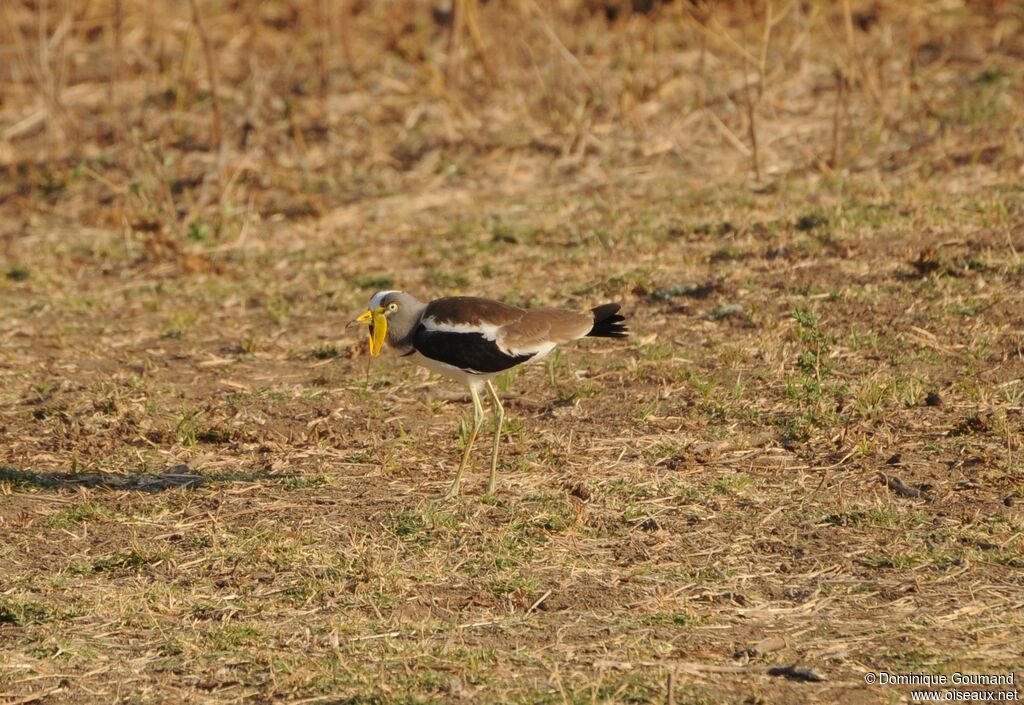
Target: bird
[{"x": 472, "y": 340}]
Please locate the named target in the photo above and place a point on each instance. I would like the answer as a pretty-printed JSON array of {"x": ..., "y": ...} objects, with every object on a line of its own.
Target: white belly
[{"x": 470, "y": 379}]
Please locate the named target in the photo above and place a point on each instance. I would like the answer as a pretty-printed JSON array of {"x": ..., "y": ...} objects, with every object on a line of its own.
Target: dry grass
[{"x": 809, "y": 453}]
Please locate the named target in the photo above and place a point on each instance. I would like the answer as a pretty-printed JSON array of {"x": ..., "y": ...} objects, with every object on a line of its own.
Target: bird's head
[{"x": 390, "y": 317}]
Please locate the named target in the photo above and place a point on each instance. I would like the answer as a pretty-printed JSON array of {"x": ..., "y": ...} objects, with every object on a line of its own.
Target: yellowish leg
[
  {"x": 499, "y": 421},
  {"x": 478, "y": 421}
]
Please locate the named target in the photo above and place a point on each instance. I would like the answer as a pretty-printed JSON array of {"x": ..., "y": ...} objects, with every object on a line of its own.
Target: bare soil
[{"x": 808, "y": 453}]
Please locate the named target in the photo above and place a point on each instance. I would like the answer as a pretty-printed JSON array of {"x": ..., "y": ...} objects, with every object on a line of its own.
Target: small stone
[
  {"x": 675, "y": 291},
  {"x": 796, "y": 673},
  {"x": 725, "y": 311},
  {"x": 765, "y": 646}
]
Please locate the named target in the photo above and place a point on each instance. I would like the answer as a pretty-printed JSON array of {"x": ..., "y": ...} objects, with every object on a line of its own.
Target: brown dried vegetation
[{"x": 808, "y": 456}]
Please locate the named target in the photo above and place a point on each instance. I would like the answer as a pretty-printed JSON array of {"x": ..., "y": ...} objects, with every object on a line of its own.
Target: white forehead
[{"x": 378, "y": 298}]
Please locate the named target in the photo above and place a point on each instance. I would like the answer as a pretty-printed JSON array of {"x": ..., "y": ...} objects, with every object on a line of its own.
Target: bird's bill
[{"x": 378, "y": 323}]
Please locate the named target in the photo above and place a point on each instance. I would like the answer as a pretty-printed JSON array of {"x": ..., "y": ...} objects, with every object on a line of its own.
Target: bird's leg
[
  {"x": 499, "y": 421},
  {"x": 478, "y": 421}
]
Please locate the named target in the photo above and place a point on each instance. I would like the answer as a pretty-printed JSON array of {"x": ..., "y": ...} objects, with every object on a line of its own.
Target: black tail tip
[{"x": 608, "y": 322}]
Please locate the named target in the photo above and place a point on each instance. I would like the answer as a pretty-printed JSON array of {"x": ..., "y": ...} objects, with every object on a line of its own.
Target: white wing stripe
[
  {"x": 490, "y": 332},
  {"x": 487, "y": 330},
  {"x": 538, "y": 351}
]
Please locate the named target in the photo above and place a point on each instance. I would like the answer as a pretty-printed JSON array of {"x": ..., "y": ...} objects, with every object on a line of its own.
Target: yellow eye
[{"x": 392, "y": 306}]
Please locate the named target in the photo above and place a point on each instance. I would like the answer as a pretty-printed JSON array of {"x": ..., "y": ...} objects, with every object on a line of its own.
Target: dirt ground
[{"x": 808, "y": 453}]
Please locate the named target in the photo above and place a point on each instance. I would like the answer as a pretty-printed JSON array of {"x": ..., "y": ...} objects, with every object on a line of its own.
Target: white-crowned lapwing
[{"x": 472, "y": 340}]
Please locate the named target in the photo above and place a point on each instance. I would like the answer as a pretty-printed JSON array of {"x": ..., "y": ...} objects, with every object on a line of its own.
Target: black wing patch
[{"x": 471, "y": 352}]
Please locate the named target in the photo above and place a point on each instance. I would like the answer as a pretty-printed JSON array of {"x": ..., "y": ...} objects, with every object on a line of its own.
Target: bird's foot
[{"x": 452, "y": 493}]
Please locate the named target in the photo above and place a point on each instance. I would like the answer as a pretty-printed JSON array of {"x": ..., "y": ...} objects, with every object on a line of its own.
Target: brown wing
[
  {"x": 541, "y": 327},
  {"x": 514, "y": 329},
  {"x": 472, "y": 311}
]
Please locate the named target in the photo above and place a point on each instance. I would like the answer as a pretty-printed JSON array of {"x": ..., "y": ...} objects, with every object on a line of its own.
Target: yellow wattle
[{"x": 378, "y": 330}]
